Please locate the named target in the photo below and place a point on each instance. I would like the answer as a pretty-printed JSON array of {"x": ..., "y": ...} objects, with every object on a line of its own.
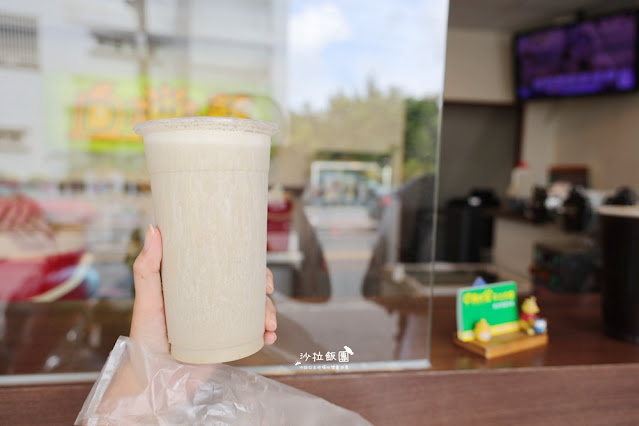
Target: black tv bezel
[{"x": 528, "y": 32}]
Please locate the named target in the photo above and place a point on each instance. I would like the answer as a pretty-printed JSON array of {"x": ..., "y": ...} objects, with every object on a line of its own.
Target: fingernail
[{"x": 148, "y": 238}]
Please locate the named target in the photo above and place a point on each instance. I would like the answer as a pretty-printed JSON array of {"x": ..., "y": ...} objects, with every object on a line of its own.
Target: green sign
[{"x": 496, "y": 303}]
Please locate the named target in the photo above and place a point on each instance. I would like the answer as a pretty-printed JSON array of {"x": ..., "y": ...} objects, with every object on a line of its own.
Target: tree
[
  {"x": 420, "y": 137},
  {"x": 377, "y": 124}
]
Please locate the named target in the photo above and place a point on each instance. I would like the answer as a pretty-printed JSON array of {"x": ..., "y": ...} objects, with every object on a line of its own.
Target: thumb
[
  {"x": 146, "y": 269},
  {"x": 148, "y": 324}
]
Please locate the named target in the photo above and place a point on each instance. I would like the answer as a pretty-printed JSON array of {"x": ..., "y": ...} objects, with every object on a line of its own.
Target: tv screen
[{"x": 592, "y": 56}]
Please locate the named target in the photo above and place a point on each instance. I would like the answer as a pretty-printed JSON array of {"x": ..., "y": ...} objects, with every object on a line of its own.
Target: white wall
[
  {"x": 239, "y": 42},
  {"x": 479, "y": 67},
  {"x": 20, "y": 92},
  {"x": 539, "y": 131},
  {"x": 599, "y": 132}
]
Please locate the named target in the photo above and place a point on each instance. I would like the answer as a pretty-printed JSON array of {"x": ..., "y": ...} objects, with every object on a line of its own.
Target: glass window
[{"x": 356, "y": 88}]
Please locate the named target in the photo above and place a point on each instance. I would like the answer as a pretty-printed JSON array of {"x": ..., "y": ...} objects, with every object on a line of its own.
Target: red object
[
  {"x": 278, "y": 224},
  {"x": 31, "y": 266},
  {"x": 25, "y": 278}
]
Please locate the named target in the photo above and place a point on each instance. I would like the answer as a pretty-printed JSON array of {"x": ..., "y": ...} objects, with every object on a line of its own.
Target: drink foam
[{"x": 230, "y": 124}]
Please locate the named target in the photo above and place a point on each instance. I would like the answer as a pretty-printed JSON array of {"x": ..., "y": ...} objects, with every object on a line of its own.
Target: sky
[{"x": 337, "y": 46}]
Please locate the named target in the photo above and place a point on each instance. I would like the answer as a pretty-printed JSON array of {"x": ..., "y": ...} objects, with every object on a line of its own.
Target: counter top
[
  {"x": 66, "y": 337},
  {"x": 582, "y": 376}
]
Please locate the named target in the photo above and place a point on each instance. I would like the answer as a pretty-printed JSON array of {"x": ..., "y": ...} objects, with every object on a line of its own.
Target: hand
[
  {"x": 148, "y": 325},
  {"x": 22, "y": 213}
]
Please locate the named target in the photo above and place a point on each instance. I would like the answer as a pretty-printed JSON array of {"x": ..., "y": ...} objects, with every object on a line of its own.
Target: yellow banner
[{"x": 103, "y": 110}]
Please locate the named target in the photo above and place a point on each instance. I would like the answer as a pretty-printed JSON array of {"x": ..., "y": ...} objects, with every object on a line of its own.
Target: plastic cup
[{"x": 209, "y": 184}]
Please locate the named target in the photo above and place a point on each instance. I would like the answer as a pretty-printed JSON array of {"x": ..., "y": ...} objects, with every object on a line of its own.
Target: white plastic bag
[{"x": 140, "y": 387}]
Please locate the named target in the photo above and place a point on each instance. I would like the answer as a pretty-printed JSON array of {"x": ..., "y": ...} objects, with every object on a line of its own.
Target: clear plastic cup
[{"x": 209, "y": 184}]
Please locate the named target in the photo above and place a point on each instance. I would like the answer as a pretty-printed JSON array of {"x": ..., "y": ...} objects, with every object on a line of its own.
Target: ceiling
[{"x": 515, "y": 15}]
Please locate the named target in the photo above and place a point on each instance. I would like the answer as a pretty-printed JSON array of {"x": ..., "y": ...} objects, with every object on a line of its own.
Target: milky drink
[{"x": 209, "y": 182}]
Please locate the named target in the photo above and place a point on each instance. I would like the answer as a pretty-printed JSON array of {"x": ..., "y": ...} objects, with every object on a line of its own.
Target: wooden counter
[
  {"x": 577, "y": 395},
  {"x": 581, "y": 377}
]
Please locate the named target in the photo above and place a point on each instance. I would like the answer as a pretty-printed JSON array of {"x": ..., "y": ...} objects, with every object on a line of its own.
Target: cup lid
[{"x": 211, "y": 123}]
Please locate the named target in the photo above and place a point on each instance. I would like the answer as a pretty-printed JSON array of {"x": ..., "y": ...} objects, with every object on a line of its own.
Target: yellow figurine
[
  {"x": 528, "y": 320},
  {"x": 482, "y": 331}
]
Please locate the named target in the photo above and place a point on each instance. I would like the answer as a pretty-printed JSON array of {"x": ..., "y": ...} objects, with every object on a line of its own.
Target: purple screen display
[{"x": 590, "y": 57}]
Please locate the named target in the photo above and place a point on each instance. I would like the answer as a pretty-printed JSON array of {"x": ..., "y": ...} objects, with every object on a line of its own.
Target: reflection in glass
[{"x": 356, "y": 88}]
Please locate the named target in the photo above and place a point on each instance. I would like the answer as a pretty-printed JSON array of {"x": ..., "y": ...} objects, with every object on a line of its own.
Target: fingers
[
  {"x": 146, "y": 269},
  {"x": 270, "y": 286},
  {"x": 148, "y": 324},
  {"x": 269, "y": 337},
  {"x": 270, "y": 323}
]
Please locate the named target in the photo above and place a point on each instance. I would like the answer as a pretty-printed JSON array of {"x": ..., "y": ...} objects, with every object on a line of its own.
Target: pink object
[
  {"x": 33, "y": 264},
  {"x": 65, "y": 211},
  {"x": 25, "y": 278}
]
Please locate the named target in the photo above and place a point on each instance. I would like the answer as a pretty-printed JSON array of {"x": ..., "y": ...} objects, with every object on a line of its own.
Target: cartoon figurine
[
  {"x": 528, "y": 320},
  {"x": 482, "y": 331}
]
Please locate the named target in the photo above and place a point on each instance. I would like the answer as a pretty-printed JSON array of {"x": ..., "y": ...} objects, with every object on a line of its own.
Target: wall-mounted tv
[{"x": 588, "y": 57}]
